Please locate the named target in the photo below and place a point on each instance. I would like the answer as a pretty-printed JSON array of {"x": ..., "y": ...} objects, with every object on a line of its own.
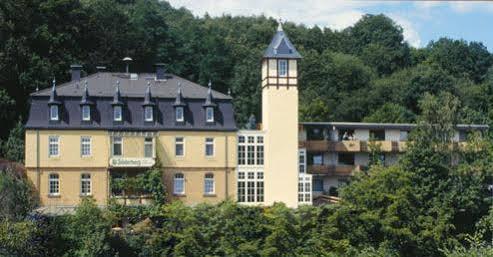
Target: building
[
  {"x": 333, "y": 151},
  {"x": 86, "y": 137}
]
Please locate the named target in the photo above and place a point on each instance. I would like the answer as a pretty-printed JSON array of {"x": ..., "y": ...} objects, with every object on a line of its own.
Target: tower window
[
  {"x": 54, "y": 112},
  {"x": 117, "y": 113},
  {"x": 148, "y": 113},
  {"x": 282, "y": 68},
  {"x": 209, "y": 111},
  {"x": 86, "y": 113},
  {"x": 179, "y": 114}
]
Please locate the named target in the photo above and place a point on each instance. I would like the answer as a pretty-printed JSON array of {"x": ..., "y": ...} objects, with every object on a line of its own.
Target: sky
[{"x": 422, "y": 21}]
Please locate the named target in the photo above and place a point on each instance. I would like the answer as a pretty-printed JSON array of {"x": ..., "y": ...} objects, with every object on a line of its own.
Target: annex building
[{"x": 86, "y": 134}]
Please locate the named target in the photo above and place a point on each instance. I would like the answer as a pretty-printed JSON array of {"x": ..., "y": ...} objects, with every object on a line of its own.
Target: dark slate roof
[
  {"x": 103, "y": 84},
  {"x": 281, "y": 47},
  {"x": 101, "y": 89},
  {"x": 400, "y": 126}
]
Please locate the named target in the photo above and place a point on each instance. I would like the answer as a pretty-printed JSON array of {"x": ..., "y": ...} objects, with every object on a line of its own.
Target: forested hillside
[{"x": 363, "y": 73}]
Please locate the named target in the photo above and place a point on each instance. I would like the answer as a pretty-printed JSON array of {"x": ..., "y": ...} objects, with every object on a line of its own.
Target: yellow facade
[{"x": 70, "y": 165}]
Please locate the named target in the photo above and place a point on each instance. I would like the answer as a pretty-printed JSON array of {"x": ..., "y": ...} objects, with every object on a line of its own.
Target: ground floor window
[
  {"x": 250, "y": 186},
  {"x": 305, "y": 188},
  {"x": 54, "y": 184},
  {"x": 85, "y": 184},
  {"x": 209, "y": 184},
  {"x": 179, "y": 184}
]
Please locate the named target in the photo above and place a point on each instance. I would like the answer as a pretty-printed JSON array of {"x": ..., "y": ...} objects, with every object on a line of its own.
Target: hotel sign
[{"x": 132, "y": 162}]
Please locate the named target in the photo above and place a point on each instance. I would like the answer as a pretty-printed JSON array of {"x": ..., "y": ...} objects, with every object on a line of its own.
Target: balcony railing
[
  {"x": 341, "y": 170},
  {"x": 352, "y": 146}
]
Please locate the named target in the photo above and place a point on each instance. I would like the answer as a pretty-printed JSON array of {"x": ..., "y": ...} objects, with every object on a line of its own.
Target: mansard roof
[
  {"x": 281, "y": 46},
  {"x": 132, "y": 94}
]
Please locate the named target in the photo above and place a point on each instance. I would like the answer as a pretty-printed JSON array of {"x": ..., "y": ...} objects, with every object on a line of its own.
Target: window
[
  {"x": 250, "y": 150},
  {"x": 209, "y": 184},
  {"x": 148, "y": 113},
  {"x": 316, "y": 158},
  {"x": 54, "y": 146},
  {"x": 54, "y": 184},
  {"x": 241, "y": 155},
  {"x": 378, "y": 135},
  {"x": 85, "y": 146},
  {"x": 304, "y": 188},
  {"x": 346, "y": 158},
  {"x": 117, "y": 146},
  {"x": 302, "y": 160},
  {"x": 85, "y": 184},
  {"x": 250, "y": 186},
  {"x": 54, "y": 112},
  {"x": 282, "y": 68},
  {"x": 179, "y": 114},
  {"x": 251, "y": 155},
  {"x": 318, "y": 184},
  {"x": 404, "y": 135},
  {"x": 179, "y": 184},
  {"x": 241, "y": 139},
  {"x": 86, "y": 113},
  {"x": 347, "y": 134},
  {"x": 209, "y": 114},
  {"x": 148, "y": 147},
  {"x": 179, "y": 146},
  {"x": 260, "y": 154},
  {"x": 209, "y": 147},
  {"x": 117, "y": 113}
]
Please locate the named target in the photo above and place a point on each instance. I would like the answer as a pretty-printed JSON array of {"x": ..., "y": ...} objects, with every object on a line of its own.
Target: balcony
[
  {"x": 315, "y": 145},
  {"x": 345, "y": 146},
  {"x": 333, "y": 170}
]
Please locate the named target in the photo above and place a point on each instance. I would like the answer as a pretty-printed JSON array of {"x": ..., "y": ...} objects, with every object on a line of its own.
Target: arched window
[
  {"x": 209, "y": 184},
  {"x": 54, "y": 184},
  {"x": 85, "y": 184},
  {"x": 179, "y": 184}
]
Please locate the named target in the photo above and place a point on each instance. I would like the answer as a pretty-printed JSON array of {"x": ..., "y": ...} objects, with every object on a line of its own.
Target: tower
[{"x": 280, "y": 120}]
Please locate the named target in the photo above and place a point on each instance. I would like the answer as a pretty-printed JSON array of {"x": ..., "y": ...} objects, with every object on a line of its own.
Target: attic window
[
  {"x": 54, "y": 112},
  {"x": 148, "y": 113},
  {"x": 86, "y": 113},
  {"x": 209, "y": 111}
]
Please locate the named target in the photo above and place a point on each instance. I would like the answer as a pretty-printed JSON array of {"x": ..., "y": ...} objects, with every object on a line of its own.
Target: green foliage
[
  {"x": 390, "y": 113},
  {"x": 13, "y": 147},
  {"x": 17, "y": 194}
]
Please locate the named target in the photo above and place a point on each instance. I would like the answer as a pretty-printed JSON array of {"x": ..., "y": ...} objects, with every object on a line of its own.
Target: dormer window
[
  {"x": 54, "y": 112},
  {"x": 148, "y": 113},
  {"x": 282, "y": 69},
  {"x": 179, "y": 114},
  {"x": 117, "y": 113},
  {"x": 209, "y": 113},
  {"x": 86, "y": 113}
]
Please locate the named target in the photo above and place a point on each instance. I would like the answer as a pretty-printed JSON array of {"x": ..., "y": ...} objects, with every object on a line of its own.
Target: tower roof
[{"x": 281, "y": 46}]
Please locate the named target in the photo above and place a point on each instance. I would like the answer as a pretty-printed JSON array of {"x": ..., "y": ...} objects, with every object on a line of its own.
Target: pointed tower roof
[
  {"x": 179, "y": 101},
  {"x": 117, "y": 98},
  {"x": 281, "y": 46},
  {"x": 209, "y": 100},
  {"x": 53, "y": 94},
  {"x": 148, "y": 97},
  {"x": 85, "y": 96}
]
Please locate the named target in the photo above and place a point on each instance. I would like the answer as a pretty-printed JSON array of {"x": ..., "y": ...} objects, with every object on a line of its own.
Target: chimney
[
  {"x": 75, "y": 71},
  {"x": 160, "y": 71}
]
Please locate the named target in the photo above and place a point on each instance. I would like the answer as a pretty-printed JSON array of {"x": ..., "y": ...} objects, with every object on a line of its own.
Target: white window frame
[
  {"x": 183, "y": 146},
  {"x": 146, "y": 144},
  {"x": 85, "y": 141},
  {"x": 148, "y": 113},
  {"x": 117, "y": 113},
  {"x": 282, "y": 68},
  {"x": 209, "y": 114},
  {"x": 209, "y": 184},
  {"x": 305, "y": 188},
  {"x": 85, "y": 178},
  {"x": 302, "y": 160},
  {"x": 179, "y": 110},
  {"x": 113, "y": 145},
  {"x": 54, "y": 112},
  {"x": 209, "y": 142},
  {"x": 56, "y": 184},
  {"x": 251, "y": 150},
  {"x": 86, "y": 112},
  {"x": 251, "y": 179},
  {"x": 179, "y": 177},
  {"x": 54, "y": 141}
]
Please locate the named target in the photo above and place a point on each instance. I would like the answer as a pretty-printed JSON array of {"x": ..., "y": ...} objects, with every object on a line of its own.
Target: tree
[
  {"x": 13, "y": 148},
  {"x": 390, "y": 113},
  {"x": 17, "y": 194}
]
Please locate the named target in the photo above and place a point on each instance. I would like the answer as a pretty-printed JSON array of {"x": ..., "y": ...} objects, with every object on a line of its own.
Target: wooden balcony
[
  {"x": 333, "y": 170},
  {"x": 345, "y": 146},
  {"x": 352, "y": 146}
]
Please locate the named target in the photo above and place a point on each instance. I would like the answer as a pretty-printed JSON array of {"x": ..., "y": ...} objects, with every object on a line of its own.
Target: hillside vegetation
[{"x": 366, "y": 72}]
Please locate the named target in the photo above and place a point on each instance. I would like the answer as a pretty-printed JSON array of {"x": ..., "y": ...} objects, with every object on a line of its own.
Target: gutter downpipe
[
  {"x": 227, "y": 169},
  {"x": 38, "y": 179}
]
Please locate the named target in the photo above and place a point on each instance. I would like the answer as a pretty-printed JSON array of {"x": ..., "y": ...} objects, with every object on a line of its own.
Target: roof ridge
[{"x": 64, "y": 84}]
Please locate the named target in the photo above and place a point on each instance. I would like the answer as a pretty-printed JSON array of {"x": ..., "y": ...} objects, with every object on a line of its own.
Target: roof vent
[
  {"x": 134, "y": 76},
  {"x": 160, "y": 71},
  {"x": 127, "y": 61}
]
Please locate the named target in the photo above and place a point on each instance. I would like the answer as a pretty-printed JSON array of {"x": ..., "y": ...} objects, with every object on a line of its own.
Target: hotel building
[{"x": 83, "y": 136}]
